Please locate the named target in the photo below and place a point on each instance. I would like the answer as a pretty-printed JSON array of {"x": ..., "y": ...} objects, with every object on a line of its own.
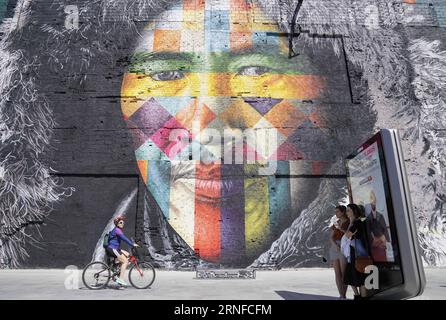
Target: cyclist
[{"x": 114, "y": 247}]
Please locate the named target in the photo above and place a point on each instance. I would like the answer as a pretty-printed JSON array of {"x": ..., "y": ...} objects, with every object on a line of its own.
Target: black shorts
[{"x": 113, "y": 252}]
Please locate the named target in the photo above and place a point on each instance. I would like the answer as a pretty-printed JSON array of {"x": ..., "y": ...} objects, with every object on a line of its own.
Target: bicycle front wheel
[
  {"x": 96, "y": 275},
  {"x": 142, "y": 275}
]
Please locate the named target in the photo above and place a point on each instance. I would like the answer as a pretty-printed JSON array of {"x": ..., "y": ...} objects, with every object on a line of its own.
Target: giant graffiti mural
[
  {"x": 218, "y": 127},
  {"x": 222, "y": 73}
]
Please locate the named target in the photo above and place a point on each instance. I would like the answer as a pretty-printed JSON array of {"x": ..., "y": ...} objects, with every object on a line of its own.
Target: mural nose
[
  {"x": 219, "y": 85},
  {"x": 211, "y": 84}
]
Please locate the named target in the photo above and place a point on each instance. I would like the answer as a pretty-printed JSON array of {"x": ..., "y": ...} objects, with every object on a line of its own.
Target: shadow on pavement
[
  {"x": 109, "y": 286},
  {"x": 288, "y": 295}
]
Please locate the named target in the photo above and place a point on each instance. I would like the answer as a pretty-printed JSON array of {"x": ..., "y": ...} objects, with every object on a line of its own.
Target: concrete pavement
[{"x": 299, "y": 284}]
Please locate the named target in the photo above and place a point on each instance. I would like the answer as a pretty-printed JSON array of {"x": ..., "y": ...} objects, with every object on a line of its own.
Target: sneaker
[{"x": 121, "y": 282}]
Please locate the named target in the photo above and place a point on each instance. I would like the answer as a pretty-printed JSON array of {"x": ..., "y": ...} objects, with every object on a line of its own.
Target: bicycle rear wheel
[
  {"x": 142, "y": 276},
  {"x": 96, "y": 275}
]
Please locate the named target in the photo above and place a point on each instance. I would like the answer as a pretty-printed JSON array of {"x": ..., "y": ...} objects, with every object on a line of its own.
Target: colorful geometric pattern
[{"x": 207, "y": 65}]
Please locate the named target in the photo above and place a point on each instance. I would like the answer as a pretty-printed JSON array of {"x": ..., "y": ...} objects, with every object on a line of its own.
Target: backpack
[{"x": 106, "y": 240}]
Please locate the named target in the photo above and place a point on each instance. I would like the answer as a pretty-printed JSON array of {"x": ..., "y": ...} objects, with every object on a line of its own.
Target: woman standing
[
  {"x": 356, "y": 233},
  {"x": 337, "y": 259}
]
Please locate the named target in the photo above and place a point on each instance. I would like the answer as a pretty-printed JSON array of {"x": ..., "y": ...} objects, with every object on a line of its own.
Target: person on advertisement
[{"x": 377, "y": 231}]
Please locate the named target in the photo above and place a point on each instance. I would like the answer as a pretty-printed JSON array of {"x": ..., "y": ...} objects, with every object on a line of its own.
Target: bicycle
[{"x": 96, "y": 275}]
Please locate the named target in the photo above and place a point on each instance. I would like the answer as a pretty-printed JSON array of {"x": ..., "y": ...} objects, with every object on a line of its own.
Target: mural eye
[
  {"x": 167, "y": 75},
  {"x": 253, "y": 71}
]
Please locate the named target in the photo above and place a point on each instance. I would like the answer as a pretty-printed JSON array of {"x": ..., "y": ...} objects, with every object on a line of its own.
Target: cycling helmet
[{"x": 118, "y": 218}]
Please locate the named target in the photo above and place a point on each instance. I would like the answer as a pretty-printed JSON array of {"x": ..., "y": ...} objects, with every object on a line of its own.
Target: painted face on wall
[{"x": 202, "y": 70}]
